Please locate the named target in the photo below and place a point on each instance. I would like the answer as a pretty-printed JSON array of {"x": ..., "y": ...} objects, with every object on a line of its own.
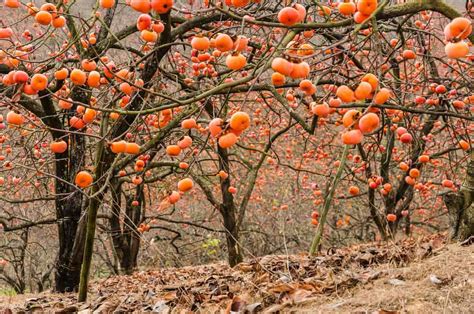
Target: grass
[{"x": 7, "y": 292}]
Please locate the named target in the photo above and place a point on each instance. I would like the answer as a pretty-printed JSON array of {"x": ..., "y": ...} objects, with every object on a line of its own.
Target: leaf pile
[{"x": 265, "y": 284}]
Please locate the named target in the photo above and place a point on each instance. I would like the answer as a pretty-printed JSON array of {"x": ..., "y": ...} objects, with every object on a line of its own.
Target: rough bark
[
  {"x": 228, "y": 212},
  {"x": 68, "y": 201},
  {"x": 460, "y": 206},
  {"x": 125, "y": 239}
]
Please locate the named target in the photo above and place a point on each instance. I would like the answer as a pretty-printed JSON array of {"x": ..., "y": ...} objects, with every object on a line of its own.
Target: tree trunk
[
  {"x": 460, "y": 206},
  {"x": 69, "y": 201},
  {"x": 232, "y": 237},
  {"x": 125, "y": 239},
  {"x": 69, "y": 205},
  {"x": 228, "y": 212}
]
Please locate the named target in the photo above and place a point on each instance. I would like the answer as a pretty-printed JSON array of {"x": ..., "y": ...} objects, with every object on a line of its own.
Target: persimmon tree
[{"x": 110, "y": 121}]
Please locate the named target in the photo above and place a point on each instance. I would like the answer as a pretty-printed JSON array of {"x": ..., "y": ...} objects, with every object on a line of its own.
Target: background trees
[{"x": 206, "y": 122}]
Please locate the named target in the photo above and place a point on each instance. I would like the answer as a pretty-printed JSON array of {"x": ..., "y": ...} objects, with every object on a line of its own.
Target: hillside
[{"x": 413, "y": 275}]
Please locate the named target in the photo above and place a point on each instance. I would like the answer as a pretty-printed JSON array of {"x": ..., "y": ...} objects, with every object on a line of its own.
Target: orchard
[{"x": 142, "y": 132}]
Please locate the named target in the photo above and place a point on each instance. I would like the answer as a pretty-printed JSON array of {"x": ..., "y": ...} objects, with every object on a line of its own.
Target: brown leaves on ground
[{"x": 267, "y": 284}]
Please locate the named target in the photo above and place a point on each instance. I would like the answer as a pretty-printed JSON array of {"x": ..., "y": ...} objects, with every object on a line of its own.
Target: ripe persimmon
[
  {"x": 43, "y": 18},
  {"x": 173, "y": 150},
  {"x": 61, "y": 74},
  {"x": 144, "y": 22},
  {"x": 359, "y": 17},
  {"x": 324, "y": 10},
  {"x": 424, "y": 158},
  {"x": 76, "y": 123},
  {"x": 414, "y": 173},
  {"x": 89, "y": 115},
  {"x": 347, "y": 8},
  {"x": 350, "y": 117},
  {"x": 458, "y": 28},
  {"x": 382, "y": 96},
  {"x": 239, "y": 121},
  {"x": 215, "y": 127},
  {"x": 39, "y": 82},
  {"x": 372, "y": 80},
  {"x": 107, "y": 4},
  {"x": 93, "y": 79},
  {"x": 15, "y": 118},
  {"x": 352, "y": 137},
  {"x": 321, "y": 110},
  {"x": 447, "y": 183},
  {"x": 88, "y": 65},
  {"x": 363, "y": 91},
  {"x": 65, "y": 104},
  {"x": 118, "y": 147},
  {"x": 20, "y": 77},
  {"x": 49, "y": 7},
  {"x": 345, "y": 93},
  {"x": 142, "y": 6},
  {"x": 408, "y": 54},
  {"x": 12, "y": 4},
  {"x": 185, "y": 185},
  {"x": 189, "y": 123},
  {"x": 456, "y": 50},
  {"x": 228, "y": 140},
  {"x": 132, "y": 148},
  {"x": 300, "y": 70},
  {"x": 185, "y": 142},
  {"x": 83, "y": 179},
  {"x": 78, "y": 77},
  {"x": 58, "y": 147},
  {"x": 278, "y": 79},
  {"x": 174, "y": 197},
  {"x": 58, "y": 21},
  {"x": 406, "y": 138},
  {"x": 148, "y": 36},
  {"x": 354, "y": 190},
  {"x": 282, "y": 66},
  {"x": 369, "y": 123},
  {"x": 137, "y": 180},
  {"x": 241, "y": 43},
  {"x": 5, "y": 32},
  {"x": 161, "y": 6},
  {"x": 126, "y": 88},
  {"x": 367, "y": 7},
  {"x": 200, "y": 43},
  {"x": 235, "y": 61},
  {"x": 410, "y": 181},
  {"x": 223, "y": 43},
  {"x": 403, "y": 166},
  {"x": 464, "y": 145},
  {"x": 288, "y": 16},
  {"x": 239, "y": 3}
]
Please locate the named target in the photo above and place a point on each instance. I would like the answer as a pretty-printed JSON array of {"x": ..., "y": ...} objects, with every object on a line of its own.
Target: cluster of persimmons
[{"x": 292, "y": 64}]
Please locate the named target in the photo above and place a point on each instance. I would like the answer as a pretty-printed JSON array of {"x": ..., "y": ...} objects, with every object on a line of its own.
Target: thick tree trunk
[
  {"x": 69, "y": 201},
  {"x": 228, "y": 212},
  {"x": 69, "y": 206},
  {"x": 232, "y": 237},
  {"x": 125, "y": 239},
  {"x": 460, "y": 206},
  {"x": 131, "y": 239}
]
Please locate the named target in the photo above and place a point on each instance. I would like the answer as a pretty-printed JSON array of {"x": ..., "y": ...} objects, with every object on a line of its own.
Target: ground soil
[{"x": 423, "y": 275}]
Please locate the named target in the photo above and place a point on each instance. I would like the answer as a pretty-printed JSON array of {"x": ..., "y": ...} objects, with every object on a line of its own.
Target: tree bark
[
  {"x": 460, "y": 206},
  {"x": 125, "y": 239},
  {"x": 228, "y": 212},
  {"x": 69, "y": 206}
]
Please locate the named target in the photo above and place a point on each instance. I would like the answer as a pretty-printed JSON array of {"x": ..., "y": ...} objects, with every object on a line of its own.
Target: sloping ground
[{"x": 414, "y": 276}]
